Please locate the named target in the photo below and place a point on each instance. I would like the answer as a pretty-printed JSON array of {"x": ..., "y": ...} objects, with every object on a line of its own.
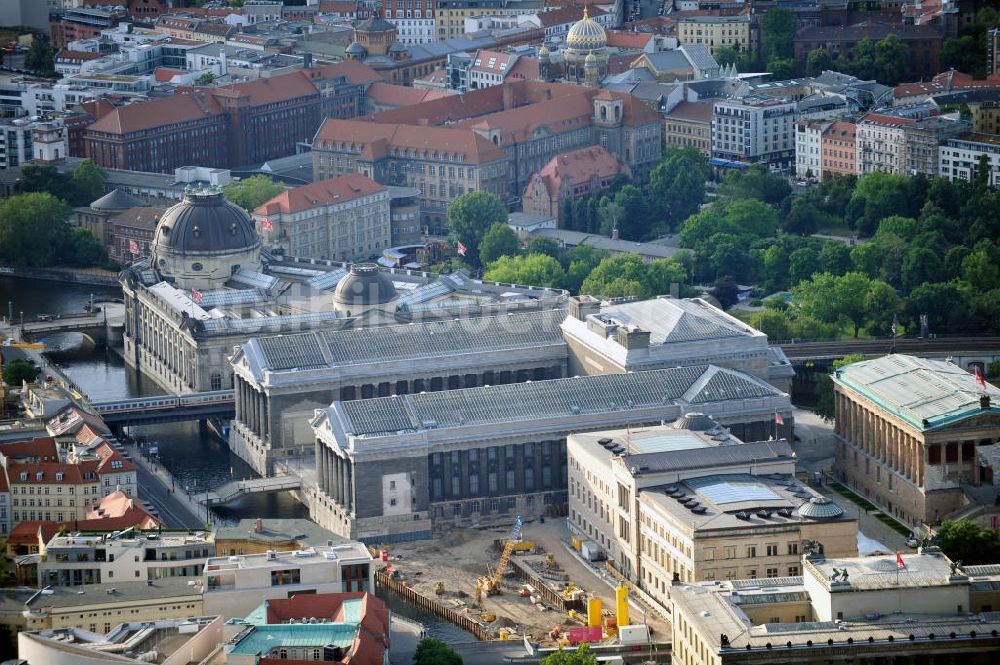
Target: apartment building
[
  {"x": 715, "y": 31},
  {"x": 909, "y": 432},
  {"x": 52, "y": 490},
  {"x": 450, "y": 15},
  {"x": 15, "y": 142},
  {"x": 985, "y": 116},
  {"x": 881, "y": 143},
  {"x": 414, "y": 19},
  {"x": 755, "y": 130},
  {"x": 130, "y": 555},
  {"x": 960, "y": 157},
  {"x": 809, "y": 148},
  {"x": 838, "y": 149},
  {"x": 343, "y": 218},
  {"x": 690, "y": 502},
  {"x": 236, "y": 585},
  {"x": 689, "y": 125},
  {"x": 923, "y": 140}
]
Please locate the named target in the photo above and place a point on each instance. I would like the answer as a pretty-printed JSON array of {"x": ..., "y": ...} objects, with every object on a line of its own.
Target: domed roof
[
  {"x": 695, "y": 422},
  {"x": 366, "y": 284},
  {"x": 544, "y": 51},
  {"x": 355, "y": 48},
  {"x": 586, "y": 34},
  {"x": 116, "y": 199},
  {"x": 820, "y": 508},
  {"x": 375, "y": 24},
  {"x": 205, "y": 222},
  {"x": 397, "y": 47},
  {"x": 590, "y": 60}
]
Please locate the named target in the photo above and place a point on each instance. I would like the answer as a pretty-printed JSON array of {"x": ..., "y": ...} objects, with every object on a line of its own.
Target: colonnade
[
  {"x": 335, "y": 476},
  {"x": 252, "y": 409},
  {"x": 880, "y": 439},
  {"x": 449, "y": 382}
]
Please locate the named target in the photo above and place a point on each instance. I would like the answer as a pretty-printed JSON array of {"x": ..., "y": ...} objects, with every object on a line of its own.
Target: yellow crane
[{"x": 490, "y": 584}]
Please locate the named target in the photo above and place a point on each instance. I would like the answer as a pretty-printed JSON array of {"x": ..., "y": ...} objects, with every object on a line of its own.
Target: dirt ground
[{"x": 459, "y": 558}]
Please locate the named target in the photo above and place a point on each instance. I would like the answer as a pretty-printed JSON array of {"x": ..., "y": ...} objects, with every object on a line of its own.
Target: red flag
[
  {"x": 196, "y": 295},
  {"x": 266, "y": 224},
  {"x": 133, "y": 247},
  {"x": 462, "y": 248},
  {"x": 899, "y": 561},
  {"x": 778, "y": 420},
  {"x": 979, "y": 378}
]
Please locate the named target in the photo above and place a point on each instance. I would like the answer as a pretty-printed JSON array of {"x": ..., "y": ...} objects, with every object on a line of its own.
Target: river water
[{"x": 193, "y": 454}]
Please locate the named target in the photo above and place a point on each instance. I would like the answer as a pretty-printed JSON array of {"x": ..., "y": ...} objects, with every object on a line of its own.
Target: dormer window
[
  {"x": 39, "y": 475},
  {"x": 24, "y": 475},
  {"x": 59, "y": 475}
]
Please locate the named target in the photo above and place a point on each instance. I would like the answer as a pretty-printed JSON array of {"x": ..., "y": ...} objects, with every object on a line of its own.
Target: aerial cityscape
[{"x": 555, "y": 332}]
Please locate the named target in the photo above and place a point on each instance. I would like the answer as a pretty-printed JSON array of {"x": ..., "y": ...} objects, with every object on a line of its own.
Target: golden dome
[
  {"x": 590, "y": 60},
  {"x": 544, "y": 51},
  {"x": 586, "y": 34}
]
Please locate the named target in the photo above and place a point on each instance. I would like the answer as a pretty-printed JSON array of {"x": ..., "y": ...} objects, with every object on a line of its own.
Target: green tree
[
  {"x": 862, "y": 59},
  {"x": 835, "y": 258},
  {"x": 802, "y": 263},
  {"x": 981, "y": 177},
  {"x": 498, "y": 241},
  {"x": 726, "y": 291},
  {"x": 846, "y": 298},
  {"x": 250, "y": 193},
  {"x": 921, "y": 265},
  {"x": 966, "y": 54},
  {"x": 677, "y": 186},
  {"x": 435, "y": 652},
  {"x": 629, "y": 213},
  {"x": 968, "y": 542},
  {"x": 84, "y": 250},
  {"x": 825, "y": 407},
  {"x": 777, "y": 28},
  {"x": 33, "y": 229},
  {"x": 943, "y": 302},
  {"x": 783, "y": 68},
  {"x": 773, "y": 323},
  {"x": 18, "y": 371},
  {"x": 529, "y": 269},
  {"x": 543, "y": 245},
  {"x": 629, "y": 275},
  {"x": 757, "y": 182},
  {"x": 205, "y": 79},
  {"x": 774, "y": 268},
  {"x": 88, "y": 183},
  {"x": 727, "y": 55},
  {"x": 40, "y": 58},
  {"x": 881, "y": 308},
  {"x": 728, "y": 254},
  {"x": 470, "y": 216},
  {"x": 803, "y": 217},
  {"x": 582, "y": 656},
  {"x": 818, "y": 61},
  {"x": 890, "y": 60},
  {"x": 877, "y": 196},
  {"x": 749, "y": 217}
]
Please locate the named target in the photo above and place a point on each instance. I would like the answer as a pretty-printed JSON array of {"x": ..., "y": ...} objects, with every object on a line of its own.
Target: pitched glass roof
[
  {"x": 672, "y": 320},
  {"x": 262, "y": 639},
  {"x": 726, "y": 386}
]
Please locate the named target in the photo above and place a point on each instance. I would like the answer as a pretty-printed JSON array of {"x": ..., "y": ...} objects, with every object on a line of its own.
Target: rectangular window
[{"x": 772, "y": 572}]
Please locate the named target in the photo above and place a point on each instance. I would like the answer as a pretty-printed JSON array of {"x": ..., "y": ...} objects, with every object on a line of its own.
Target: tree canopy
[
  {"x": 581, "y": 656},
  {"x": 629, "y": 275},
  {"x": 534, "y": 269},
  {"x": 18, "y": 371},
  {"x": 249, "y": 193},
  {"x": 470, "y": 216},
  {"x": 40, "y": 58},
  {"x": 33, "y": 229},
  {"x": 435, "y": 652},
  {"x": 968, "y": 542},
  {"x": 80, "y": 188},
  {"x": 498, "y": 241}
]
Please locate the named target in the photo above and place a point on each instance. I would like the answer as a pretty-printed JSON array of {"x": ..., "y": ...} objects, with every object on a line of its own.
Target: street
[{"x": 173, "y": 510}]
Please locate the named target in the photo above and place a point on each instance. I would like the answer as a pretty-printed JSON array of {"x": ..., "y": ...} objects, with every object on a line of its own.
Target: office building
[
  {"x": 755, "y": 130},
  {"x": 716, "y": 31},
  {"x": 690, "y": 502},
  {"x": 961, "y": 157}
]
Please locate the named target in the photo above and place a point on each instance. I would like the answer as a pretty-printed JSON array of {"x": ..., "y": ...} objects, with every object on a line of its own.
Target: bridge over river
[{"x": 167, "y": 408}]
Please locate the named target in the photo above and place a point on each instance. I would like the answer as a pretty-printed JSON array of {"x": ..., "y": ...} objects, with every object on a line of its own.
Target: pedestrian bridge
[
  {"x": 167, "y": 408},
  {"x": 235, "y": 489},
  {"x": 92, "y": 325}
]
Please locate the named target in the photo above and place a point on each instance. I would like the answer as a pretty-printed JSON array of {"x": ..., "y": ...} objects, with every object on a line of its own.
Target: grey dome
[
  {"x": 116, "y": 199},
  {"x": 205, "y": 222},
  {"x": 355, "y": 48},
  {"x": 820, "y": 508},
  {"x": 696, "y": 422},
  {"x": 366, "y": 284}
]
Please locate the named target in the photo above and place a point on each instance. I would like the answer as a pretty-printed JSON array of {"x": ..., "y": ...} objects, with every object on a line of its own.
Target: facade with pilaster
[
  {"x": 910, "y": 432},
  {"x": 281, "y": 381},
  {"x": 396, "y": 468}
]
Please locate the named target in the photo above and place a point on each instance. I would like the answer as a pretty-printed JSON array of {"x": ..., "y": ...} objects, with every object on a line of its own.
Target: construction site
[{"x": 523, "y": 581}]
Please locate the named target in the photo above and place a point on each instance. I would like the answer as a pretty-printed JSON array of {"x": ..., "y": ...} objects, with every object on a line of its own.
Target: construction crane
[{"x": 491, "y": 582}]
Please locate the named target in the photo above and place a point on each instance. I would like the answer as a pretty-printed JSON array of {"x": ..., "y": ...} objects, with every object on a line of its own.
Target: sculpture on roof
[
  {"x": 814, "y": 548},
  {"x": 839, "y": 575}
]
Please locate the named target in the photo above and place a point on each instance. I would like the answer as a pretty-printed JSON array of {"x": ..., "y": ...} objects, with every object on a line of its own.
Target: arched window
[
  {"x": 604, "y": 113},
  {"x": 216, "y": 381}
]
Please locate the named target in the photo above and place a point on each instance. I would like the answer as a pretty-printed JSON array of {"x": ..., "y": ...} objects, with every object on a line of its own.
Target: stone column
[
  {"x": 236, "y": 397},
  {"x": 337, "y": 481},
  {"x": 320, "y": 467},
  {"x": 349, "y": 473}
]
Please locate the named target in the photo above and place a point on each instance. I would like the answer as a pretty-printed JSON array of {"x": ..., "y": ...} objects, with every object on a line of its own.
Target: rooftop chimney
[{"x": 258, "y": 526}]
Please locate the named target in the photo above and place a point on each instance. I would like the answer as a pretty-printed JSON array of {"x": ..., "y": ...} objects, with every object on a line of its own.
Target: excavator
[{"x": 490, "y": 583}]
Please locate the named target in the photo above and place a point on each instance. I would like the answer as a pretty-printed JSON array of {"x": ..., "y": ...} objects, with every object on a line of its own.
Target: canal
[{"x": 194, "y": 455}]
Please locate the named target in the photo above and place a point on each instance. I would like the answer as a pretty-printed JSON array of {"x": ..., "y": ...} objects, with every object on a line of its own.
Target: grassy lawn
[{"x": 870, "y": 507}]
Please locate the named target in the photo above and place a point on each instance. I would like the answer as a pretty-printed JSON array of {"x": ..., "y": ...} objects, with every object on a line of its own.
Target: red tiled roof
[
  {"x": 946, "y": 82},
  {"x": 338, "y": 6},
  {"x": 72, "y": 473},
  {"x": 26, "y": 532},
  {"x": 324, "y": 192},
  {"x": 491, "y": 62},
  {"x": 578, "y": 167},
  {"x": 42, "y": 449},
  {"x": 166, "y": 74},
  {"x": 525, "y": 68},
  {"x": 692, "y": 111},
  {"x": 840, "y": 129},
  {"x": 375, "y": 139},
  {"x": 354, "y": 71},
  {"x": 629, "y": 40},
  {"x": 109, "y": 456},
  {"x": 269, "y": 90},
  {"x": 156, "y": 112},
  {"x": 86, "y": 435},
  {"x": 570, "y": 14},
  {"x": 396, "y": 96},
  {"x": 880, "y": 119},
  {"x": 556, "y": 115},
  {"x": 142, "y": 218}
]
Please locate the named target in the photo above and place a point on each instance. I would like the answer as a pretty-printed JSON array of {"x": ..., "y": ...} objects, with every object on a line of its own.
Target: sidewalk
[{"x": 169, "y": 485}]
